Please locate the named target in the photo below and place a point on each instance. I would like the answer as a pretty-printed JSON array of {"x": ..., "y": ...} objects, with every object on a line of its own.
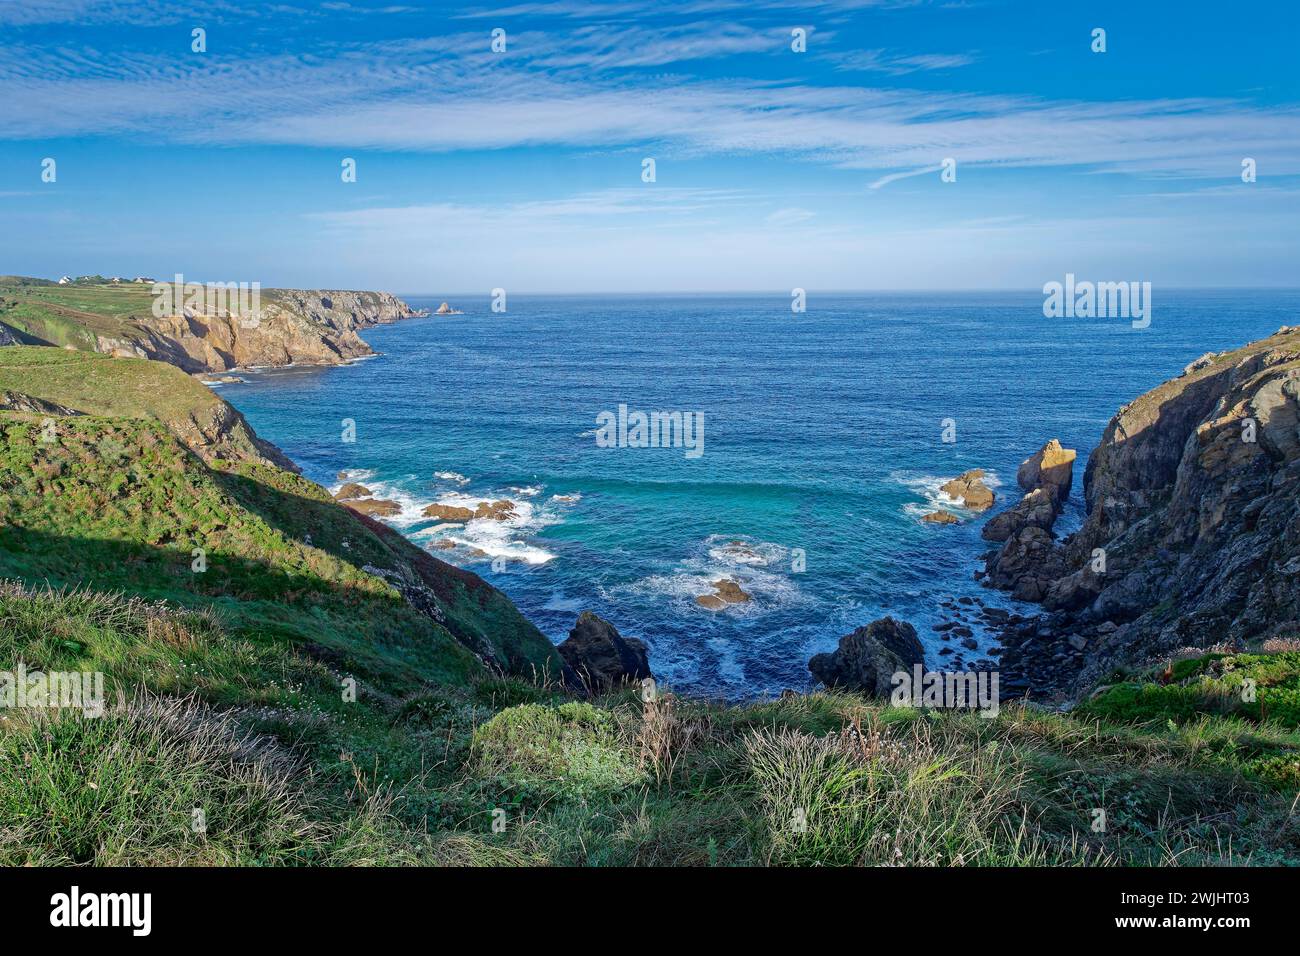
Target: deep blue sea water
[{"x": 822, "y": 432}]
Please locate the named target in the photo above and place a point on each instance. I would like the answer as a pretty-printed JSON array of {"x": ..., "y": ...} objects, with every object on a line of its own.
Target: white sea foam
[
  {"x": 492, "y": 538},
  {"x": 452, "y": 476},
  {"x": 769, "y": 590},
  {"x": 526, "y": 491},
  {"x": 929, "y": 488},
  {"x": 360, "y": 476},
  {"x": 412, "y": 506},
  {"x": 567, "y": 499},
  {"x": 559, "y": 601},
  {"x": 728, "y": 549}
]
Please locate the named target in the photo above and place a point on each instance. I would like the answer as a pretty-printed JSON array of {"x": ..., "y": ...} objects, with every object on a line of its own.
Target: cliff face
[
  {"x": 1193, "y": 529},
  {"x": 295, "y": 326}
]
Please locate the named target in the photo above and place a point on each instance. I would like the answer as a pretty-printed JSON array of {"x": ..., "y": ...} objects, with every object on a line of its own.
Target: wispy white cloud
[
  {"x": 896, "y": 64},
  {"x": 601, "y": 87},
  {"x": 894, "y": 177},
  {"x": 448, "y": 93}
]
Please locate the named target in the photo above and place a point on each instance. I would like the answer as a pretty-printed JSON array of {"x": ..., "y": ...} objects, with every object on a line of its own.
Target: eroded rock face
[
  {"x": 18, "y": 402},
  {"x": 602, "y": 658},
  {"x": 1035, "y": 510},
  {"x": 1050, "y": 468},
  {"x": 1193, "y": 529},
  {"x": 294, "y": 327},
  {"x": 352, "y": 490},
  {"x": 1027, "y": 563},
  {"x": 970, "y": 488},
  {"x": 867, "y": 659}
]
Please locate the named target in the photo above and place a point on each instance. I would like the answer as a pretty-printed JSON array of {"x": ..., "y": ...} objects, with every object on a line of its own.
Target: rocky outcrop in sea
[
  {"x": 867, "y": 659},
  {"x": 603, "y": 659}
]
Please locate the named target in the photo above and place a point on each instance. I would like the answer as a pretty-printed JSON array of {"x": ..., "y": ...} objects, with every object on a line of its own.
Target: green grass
[
  {"x": 289, "y": 772},
  {"x": 228, "y": 693}
]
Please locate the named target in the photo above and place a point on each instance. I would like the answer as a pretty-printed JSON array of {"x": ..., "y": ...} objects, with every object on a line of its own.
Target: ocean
[{"x": 823, "y": 445}]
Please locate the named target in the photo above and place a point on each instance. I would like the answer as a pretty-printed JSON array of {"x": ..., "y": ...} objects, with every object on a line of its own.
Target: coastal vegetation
[{"x": 290, "y": 682}]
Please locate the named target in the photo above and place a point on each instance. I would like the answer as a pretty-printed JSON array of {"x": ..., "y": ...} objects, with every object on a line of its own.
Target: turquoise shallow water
[{"x": 822, "y": 432}]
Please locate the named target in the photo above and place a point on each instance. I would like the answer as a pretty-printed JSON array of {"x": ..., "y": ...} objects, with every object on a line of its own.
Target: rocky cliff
[
  {"x": 295, "y": 327},
  {"x": 289, "y": 326},
  {"x": 1192, "y": 537}
]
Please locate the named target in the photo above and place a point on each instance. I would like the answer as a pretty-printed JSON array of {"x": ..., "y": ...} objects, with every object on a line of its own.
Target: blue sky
[{"x": 774, "y": 169}]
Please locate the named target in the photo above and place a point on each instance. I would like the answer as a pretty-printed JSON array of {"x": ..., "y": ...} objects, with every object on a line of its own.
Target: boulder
[
  {"x": 867, "y": 659},
  {"x": 352, "y": 490},
  {"x": 970, "y": 488},
  {"x": 602, "y": 658}
]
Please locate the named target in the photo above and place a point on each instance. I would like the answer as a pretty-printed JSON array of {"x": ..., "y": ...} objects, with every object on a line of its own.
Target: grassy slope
[
  {"x": 116, "y": 501},
  {"x": 413, "y": 770},
  {"x": 71, "y": 315},
  {"x": 98, "y": 385},
  {"x": 817, "y": 779}
]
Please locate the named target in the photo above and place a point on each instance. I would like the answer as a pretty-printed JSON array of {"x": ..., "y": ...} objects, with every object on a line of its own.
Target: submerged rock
[
  {"x": 603, "y": 659},
  {"x": 867, "y": 659},
  {"x": 726, "y": 591},
  {"x": 941, "y": 517}
]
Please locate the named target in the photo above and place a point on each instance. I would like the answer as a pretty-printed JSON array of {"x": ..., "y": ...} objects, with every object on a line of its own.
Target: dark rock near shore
[
  {"x": 603, "y": 659},
  {"x": 867, "y": 659}
]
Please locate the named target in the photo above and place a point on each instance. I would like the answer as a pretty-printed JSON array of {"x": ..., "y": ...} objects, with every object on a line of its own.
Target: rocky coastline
[{"x": 1191, "y": 540}]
